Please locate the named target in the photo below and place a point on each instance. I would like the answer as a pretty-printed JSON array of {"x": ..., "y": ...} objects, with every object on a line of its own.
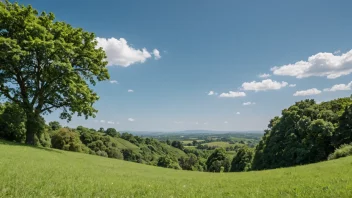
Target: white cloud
[
  {"x": 131, "y": 119},
  {"x": 264, "y": 75},
  {"x": 321, "y": 64},
  {"x": 130, "y": 91},
  {"x": 340, "y": 87},
  {"x": 225, "y": 122},
  {"x": 292, "y": 85},
  {"x": 307, "y": 92},
  {"x": 238, "y": 113},
  {"x": 337, "y": 52},
  {"x": 248, "y": 103},
  {"x": 102, "y": 121},
  {"x": 197, "y": 123},
  {"x": 111, "y": 122},
  {"x": 232, "y": 94},
  {"x": 156, "y": 54},
  {"x": 211, "y": 93},
  {"x": 114, "y": 82},
  {"x": 264, "y": 85},
  {"x": 205, "y": 123},
  {"x": 118, "y": 52}
]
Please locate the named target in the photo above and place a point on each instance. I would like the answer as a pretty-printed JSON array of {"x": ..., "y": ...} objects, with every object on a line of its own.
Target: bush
[
  {"x": 343, "y": 151},
  {"x": 65, "y": 139},
  {"x": 12, "y": 123}
]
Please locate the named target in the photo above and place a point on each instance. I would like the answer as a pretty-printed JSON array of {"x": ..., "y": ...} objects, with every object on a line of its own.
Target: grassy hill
[{"x": 39, "y": 172}]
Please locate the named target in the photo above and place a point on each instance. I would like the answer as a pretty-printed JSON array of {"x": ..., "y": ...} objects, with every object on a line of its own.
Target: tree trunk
[{"x": 33, "y": 126}]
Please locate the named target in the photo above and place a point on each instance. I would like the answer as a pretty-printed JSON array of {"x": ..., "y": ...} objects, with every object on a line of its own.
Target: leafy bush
[
  {"x": 12, "y": 123},
  {"x": 65, "y": 139},
  {"x": 217, "y": 160},
  {"x": 343, "y": 151},
  {"x": 242, "y": 160}
]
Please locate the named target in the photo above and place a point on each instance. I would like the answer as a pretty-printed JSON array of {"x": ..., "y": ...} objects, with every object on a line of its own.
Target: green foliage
[
  {"x": 242, "y": 160},
  {"x": 343, "y": 151},
  {"x": 112, "y": 132},
  {"x": 304, "y": 134},
  {"x": 177, "y": 144},
  {"x": 167, "y": 162},
  {"x": 65, "y": 139},
  {"x": 55, "y": 125},
  {"x": 217, "y": 160},
  {"x": 12, "y": 123},
  {"x": 47, "y": 64},
  {"x": 191, "y": 162},
  {"x": 343, "y": 133}
]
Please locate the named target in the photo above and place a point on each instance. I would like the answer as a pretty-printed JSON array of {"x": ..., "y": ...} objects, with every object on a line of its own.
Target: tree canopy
[
  {"x": 47, "y": 65},
  {"x": 305, "y": 133}
]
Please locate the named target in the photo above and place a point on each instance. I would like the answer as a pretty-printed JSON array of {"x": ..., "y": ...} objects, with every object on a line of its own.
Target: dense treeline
[{"x": 306, "y": 132}]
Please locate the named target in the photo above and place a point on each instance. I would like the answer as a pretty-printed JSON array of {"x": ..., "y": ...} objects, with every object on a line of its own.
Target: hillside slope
[{"x": 38, "y": 172}]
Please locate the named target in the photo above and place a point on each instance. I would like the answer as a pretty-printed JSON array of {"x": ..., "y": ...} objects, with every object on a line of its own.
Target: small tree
[
  {"x": 112, "y": 132},
  {"x": 47, "y": 65},
  {"x": 218, "y": 159},
  {"x": 242, "y": 160},
  {"x": 65, "y": 139}
]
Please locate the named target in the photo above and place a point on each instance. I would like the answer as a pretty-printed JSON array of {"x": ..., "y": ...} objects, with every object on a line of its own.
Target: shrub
[
  {"x": 66, "y": 139},
  {"x": 343, "y": 151}
]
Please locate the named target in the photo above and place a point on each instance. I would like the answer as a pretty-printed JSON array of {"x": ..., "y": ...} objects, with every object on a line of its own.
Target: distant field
[
  {"x": 38, "y": 172},
  {"x": 190, "y": 141},
  {"x": 219, "y": 144}
]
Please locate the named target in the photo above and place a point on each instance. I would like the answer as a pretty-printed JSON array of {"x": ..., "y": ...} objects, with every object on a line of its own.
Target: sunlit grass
[{"x": 34, "y": 172}]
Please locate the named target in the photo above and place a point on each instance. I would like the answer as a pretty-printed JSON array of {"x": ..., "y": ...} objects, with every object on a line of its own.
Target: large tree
[{"x": 47, "y": 65}]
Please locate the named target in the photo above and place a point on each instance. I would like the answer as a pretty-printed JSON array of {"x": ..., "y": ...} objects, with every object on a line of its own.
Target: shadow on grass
[{"x": 5, "y": 142}]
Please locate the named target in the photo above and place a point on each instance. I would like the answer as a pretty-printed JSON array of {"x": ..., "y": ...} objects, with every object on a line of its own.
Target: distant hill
[{"x": 188, "y": 132}]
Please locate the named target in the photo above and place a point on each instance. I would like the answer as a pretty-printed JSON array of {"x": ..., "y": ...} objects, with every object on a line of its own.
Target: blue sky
[{"x": 218, "y": 46}]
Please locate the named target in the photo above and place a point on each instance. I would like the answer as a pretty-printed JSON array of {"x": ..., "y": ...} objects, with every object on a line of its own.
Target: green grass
[
  {"x": 124, "y": 144},
  {"x": 218, "y": 144},
  {"x": 37, "y": 172}
]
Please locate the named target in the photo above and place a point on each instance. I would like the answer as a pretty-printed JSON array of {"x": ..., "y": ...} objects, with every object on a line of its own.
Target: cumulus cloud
[
  {"x": 325, "y": 64},
  {"x": 238, "y": 113},
  {"x": 114, "y": 82},
  {"x": 248, "y": 103},
  {"x": 340, "y": 87},
  {"x": 131, "y": 119},
  {"x": 264, "y": 75},
  {"x": 308, "y": 92},
  {"x": 337, "y": 52},
  {"x": 264, "y": 85},
  {"x": 232, "y": 94},
  {"x": 111, "y": 122},
  {"x": 212, "y": 93},
  {"x": 120, "y": 53},
  {"x": 292, "y": 85},
  {"x": 130, "y": 91},
  {"x": 156, "y": 54}
]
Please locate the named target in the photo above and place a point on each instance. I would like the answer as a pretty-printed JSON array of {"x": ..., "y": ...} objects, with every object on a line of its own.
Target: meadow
[
  {"x": 40, "y": 172},
  {"x": 218, "y": 144}
]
